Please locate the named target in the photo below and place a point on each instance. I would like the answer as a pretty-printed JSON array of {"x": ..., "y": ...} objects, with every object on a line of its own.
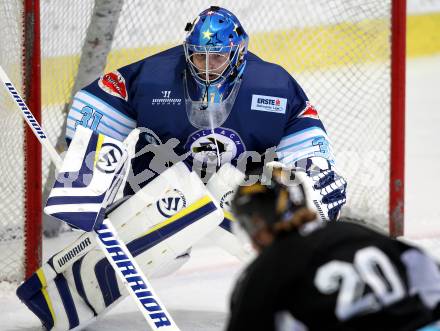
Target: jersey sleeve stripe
[
  {"x": 293, "y": 156},
  {"x": 69, "y": 132},
  {"x": 109, "y": 113},
  {"x": 123, "y": 133},
  {"x": 74, "y": 117},
  {"x": 71, "y": 122},
  {"x": 111, "y": 128},
  {"x": 317, "y": 146},
  {"x": 93, "y": 98},
  {"x": 302, "y": 135},
  {"x": 106, "y": 121},
  {"x": 111, "y": 133},
  {"x": 295, "y": 144},
  {"x": 102, "y": 128},
  {"x": 70, "y": 127}
]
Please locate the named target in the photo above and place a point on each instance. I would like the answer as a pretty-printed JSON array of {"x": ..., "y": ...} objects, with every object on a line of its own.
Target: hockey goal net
[{"x": 340, "y": 52}]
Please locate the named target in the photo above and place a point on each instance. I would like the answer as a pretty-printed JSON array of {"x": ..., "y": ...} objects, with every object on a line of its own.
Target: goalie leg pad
[
  {"x": 222, "y": 186},
  {"x": 32, "y": 293},
  {"x": 55, "y": 302},
  {"x": 89, "y": 286}
]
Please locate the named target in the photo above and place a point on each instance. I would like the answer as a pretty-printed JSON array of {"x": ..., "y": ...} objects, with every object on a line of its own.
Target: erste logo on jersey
[
  {"x": 309, "y": 111},
  {"x": 113, "y": 83},
  {"x": 206, "y": 146},
  {"x": 173, "y": 202},
  {"x": 268, "y": 103}
]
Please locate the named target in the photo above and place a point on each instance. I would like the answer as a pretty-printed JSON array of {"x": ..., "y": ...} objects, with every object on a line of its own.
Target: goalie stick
[{"x": 114, "y": 249}]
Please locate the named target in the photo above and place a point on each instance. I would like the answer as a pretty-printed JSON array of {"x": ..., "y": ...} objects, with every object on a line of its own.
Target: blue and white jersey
[{"x": 270, "y": 111}]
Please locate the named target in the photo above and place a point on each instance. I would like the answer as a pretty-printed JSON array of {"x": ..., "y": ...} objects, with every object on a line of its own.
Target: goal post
[
  {"x": 32, "y": 148},
  {"x": 349, "y": 56},
  {"x": 21, "y": 171},
  {"x": 397, "y": 145}
]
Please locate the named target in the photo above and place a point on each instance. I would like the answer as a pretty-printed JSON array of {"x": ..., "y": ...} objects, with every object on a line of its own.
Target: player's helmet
[
  {"x": 272, "y": 201},
  {"x": 215, "y": 50}
]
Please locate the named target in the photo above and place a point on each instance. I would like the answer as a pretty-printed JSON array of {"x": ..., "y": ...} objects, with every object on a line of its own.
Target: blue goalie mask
[{"x": 215, "y": 51}]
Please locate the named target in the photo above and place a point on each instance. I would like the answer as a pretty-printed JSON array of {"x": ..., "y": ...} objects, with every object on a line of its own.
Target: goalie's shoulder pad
[{"x": 92, "y": 170}]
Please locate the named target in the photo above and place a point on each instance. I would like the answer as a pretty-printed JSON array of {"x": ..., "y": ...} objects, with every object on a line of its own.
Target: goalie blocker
[{"x": 159, "y": 224}]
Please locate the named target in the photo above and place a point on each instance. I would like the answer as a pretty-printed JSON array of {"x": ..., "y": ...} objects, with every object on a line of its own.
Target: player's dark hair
[
  {"x": 301, "y": 217},
  {"x": 280, "y": 208}
]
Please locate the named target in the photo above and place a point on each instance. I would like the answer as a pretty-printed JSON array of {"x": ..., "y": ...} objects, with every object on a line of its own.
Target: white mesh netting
[
  {"x": 11, "y": 146},
  {"x": 338, "y": 50}
]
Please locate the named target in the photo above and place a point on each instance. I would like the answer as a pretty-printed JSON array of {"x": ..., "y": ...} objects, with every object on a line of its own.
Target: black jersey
[{"x": 337, "y": 276}]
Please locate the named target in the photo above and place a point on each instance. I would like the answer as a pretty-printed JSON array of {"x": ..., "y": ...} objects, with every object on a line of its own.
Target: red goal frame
[
  {"x": 397, "y": 148},
  {"x": 32, "y": 148}
]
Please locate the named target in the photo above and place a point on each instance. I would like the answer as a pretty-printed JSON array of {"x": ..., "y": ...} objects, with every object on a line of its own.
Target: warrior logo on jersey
[
  {"x": 173, "y": 202},
  {"x": 166, "y": 99},
  {"x": 113, "y": 83},
  {"x": 206, "y": 147},
  {"x": 309, "y": 111}
]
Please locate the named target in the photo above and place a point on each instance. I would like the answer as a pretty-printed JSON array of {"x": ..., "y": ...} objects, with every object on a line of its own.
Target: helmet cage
[
  {"x": 205, "y": 114},
  {"x": 206, "y": 75}
]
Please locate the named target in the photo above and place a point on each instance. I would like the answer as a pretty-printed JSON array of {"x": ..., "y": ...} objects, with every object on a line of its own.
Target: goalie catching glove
[
  {"x": 332, "y": 188},
  {"x": 326, "y": 188},
  {"x": 329, "y": 188}
]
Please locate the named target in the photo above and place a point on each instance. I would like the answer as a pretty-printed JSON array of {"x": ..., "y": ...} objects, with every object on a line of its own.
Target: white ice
[{"x": 197, "y": 295}]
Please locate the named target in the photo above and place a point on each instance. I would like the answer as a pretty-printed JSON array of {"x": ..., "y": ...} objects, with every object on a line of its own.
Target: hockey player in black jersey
[{"x": 328, "y": 276}]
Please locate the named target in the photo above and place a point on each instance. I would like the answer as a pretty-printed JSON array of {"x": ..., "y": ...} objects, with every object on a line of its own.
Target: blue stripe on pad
[
  {"x": 81, "y": 220},
  {"x": 31, "y": 295},
  {"x": 76, "y": 270},
  {"x": 78, "y": 179},
  {"x": 31, "y": 286},
  {"x": 107, "y": 281},
  {"x": 140, "y": 245},
  {"x": 69, "y": 200},
  {"x": 106, "y": 275},
  {"x": 226, "y": 224},
  {"x": 66, "y": 297}
]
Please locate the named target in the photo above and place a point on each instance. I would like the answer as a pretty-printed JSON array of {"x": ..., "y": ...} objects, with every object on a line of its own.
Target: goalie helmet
[
  {"x": 272, "y": 201},
  {"x": 215, "y": 51}
]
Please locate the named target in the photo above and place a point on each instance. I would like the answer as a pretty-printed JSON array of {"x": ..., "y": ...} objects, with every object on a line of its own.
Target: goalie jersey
[
  {"x": 338, "y": 276},
  {"x": 270, "y": 111}
]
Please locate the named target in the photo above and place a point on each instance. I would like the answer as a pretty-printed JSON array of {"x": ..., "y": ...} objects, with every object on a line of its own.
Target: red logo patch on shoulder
[
  {"x": 113, "y": 83},
  {"x": 309, "y": 111}
]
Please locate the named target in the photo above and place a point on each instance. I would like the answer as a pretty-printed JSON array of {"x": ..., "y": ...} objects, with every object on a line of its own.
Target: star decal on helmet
[
  {"x": 235, "y": 28},
  {"x": 214, "y": 40},
  {"x": 207, "y": 34}
]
